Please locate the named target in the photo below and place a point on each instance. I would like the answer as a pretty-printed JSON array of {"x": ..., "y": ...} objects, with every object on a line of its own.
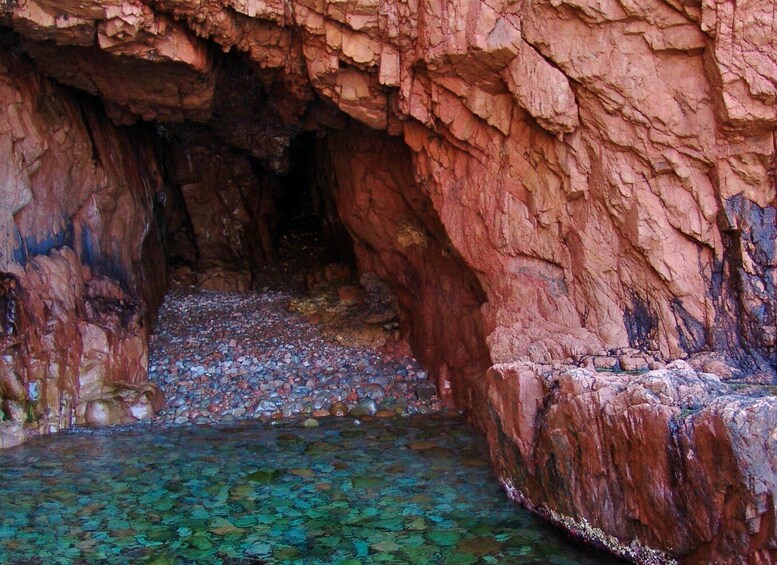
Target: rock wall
[
  {"x": 82, "y": 272},
  {"x": 219, "y": 212},
  {"x": 667, "y": 458},
  {"x": 607, "y": 170},
  {"x": 604, "y": 170},
  {"x": 398, "y": 236}
]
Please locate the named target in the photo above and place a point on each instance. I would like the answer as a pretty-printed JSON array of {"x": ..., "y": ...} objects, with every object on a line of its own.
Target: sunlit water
[{"x": 404, "y": 491}]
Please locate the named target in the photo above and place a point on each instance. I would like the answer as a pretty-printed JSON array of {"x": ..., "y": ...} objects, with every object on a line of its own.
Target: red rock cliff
[
  {"x": 587, "y": 176},
  {"x": 80, "y": 257}
]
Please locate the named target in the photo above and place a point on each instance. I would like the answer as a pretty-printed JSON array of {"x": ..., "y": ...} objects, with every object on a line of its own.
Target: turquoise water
[{"x": 414, "y": 490}]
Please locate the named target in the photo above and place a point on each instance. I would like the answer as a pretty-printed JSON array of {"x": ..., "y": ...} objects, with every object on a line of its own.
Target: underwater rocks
[
  {"x": 670, "y": 460},
  {"x": 257, "y": 493},
  {"x": 221, "y": 356}
]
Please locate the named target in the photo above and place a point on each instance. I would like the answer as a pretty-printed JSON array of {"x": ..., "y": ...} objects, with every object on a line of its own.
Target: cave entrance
[
  {"x": 214, "y": 199},
  {"x": 307, "y": 332},
  {"x": 230, "y": 222},
  {"x": 308, "y": 232}
]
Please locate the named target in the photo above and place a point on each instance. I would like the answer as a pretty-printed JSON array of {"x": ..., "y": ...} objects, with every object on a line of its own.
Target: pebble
[
  {"x": 369, "y": 405},
  {"x": 338, "y": 409},
  {"x": 425, "y": 391},
  {"x": 221, "y": 356}
]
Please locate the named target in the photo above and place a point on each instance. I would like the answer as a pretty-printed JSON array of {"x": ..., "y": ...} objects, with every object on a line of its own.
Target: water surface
[{"x": 413, "y": 490}]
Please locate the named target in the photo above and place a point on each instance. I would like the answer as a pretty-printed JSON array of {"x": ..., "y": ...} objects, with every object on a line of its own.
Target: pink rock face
[
  {"x": 604, "y": 157},
  {"x": 80, "y": 289},
  {"x": 552, "y": 181},
  {"x": 661, "y": 458},
  {"x": 397, "y": 235},
  {"x": 742, "y": 63}
]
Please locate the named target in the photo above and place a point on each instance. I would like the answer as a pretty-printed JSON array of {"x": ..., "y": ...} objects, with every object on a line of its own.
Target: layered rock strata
[{"x": 589, "y": 178}]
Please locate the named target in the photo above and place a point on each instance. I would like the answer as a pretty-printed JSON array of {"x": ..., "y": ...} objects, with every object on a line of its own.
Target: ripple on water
[{"x": 401, "y": 491}]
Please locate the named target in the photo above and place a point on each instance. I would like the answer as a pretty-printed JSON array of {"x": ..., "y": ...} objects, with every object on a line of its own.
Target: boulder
[{"x": 668, "y": 464}]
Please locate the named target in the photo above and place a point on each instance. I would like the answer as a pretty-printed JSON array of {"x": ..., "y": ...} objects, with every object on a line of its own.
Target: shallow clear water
[{"x": 403, "y": 491}]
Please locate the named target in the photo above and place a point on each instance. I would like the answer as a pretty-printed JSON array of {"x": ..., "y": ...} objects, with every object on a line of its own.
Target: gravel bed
[{"x": 221, "y": 356}]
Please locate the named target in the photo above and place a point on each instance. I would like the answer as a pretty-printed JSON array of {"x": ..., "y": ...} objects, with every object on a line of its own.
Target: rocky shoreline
[
  {"x": 654, "y": 466},
  {"x": 669, "y": 464}
]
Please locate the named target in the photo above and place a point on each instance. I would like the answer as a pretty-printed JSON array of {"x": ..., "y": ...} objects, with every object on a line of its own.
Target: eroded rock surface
[
  {"x": 78, "y": 287},
  {"x": 670, "y": 458},
  {"x": 605, "y": 171},
  {"x": 551, "y": 181}
]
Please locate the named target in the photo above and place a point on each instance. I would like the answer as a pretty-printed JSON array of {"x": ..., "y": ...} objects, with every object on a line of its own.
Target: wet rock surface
[
  {"x": 11, "y": 434},
  {"x": 221, "y": 356}
]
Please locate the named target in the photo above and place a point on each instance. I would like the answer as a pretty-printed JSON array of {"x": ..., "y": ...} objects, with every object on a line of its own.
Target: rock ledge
[{"x": 661, "y": 466}]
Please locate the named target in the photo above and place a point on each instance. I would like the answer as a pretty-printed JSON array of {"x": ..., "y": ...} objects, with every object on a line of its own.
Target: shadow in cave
[
  {"x": 308, "y": 233},
  {"x": 231, "y": 222}
]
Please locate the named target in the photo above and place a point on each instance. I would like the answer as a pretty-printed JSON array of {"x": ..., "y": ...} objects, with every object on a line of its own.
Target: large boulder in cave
[{"x": 545, "y": 182}]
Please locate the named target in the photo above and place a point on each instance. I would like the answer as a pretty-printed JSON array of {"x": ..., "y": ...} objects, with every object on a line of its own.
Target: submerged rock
[
  {"x": 366, "y": 407},
  {"x": 338, "y": 409},
  {"x": 425, "y": 391}
]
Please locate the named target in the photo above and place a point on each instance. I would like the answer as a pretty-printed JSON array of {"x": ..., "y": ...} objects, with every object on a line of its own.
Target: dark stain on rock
[
  {"x": 750, "y": 233},
  {"x": 641, "y": 323},
  {"x": 691, "y": 332},
  {"x": 9, "y": 307},
  {"x": 31, "y": 246}
]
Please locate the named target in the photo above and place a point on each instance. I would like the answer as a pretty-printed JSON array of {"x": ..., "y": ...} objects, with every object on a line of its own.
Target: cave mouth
[
  {"x": 308, "y": 232},
  {"x": 230, "y": 222},
  {"x": 252, "y": 185},
  {"x": 306, "y": 333}
]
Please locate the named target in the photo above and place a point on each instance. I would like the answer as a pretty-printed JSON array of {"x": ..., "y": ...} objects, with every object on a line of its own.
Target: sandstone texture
[{"x": 552, "y": 182}]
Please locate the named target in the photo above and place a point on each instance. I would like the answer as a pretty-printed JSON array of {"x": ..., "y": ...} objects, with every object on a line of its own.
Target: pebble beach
[{"x": 222, "y": 356}]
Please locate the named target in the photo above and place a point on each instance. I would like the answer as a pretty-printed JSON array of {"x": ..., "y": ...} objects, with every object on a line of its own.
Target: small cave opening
[
  {"x": 307, "y": 225},
  {"x": 298, "y": 205},
  {"x": 231, "y": 222}
]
